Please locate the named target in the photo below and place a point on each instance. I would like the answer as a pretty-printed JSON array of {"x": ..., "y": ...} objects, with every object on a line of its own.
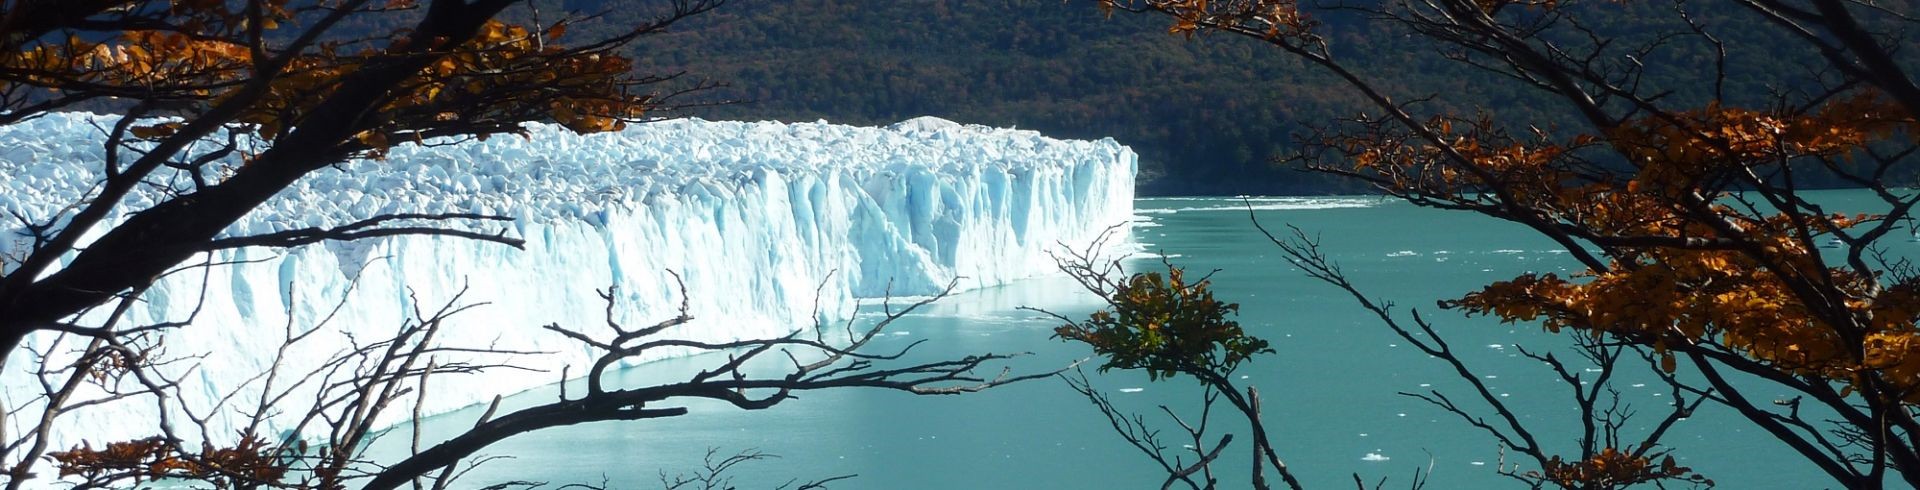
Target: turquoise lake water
[{"x": 1330, "y": 389}]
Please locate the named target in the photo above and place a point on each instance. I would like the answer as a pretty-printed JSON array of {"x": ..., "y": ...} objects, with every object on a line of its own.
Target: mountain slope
[{"x": 1207, "y": 115}]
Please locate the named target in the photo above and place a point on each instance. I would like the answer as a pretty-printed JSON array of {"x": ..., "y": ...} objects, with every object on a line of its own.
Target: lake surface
[{"x": 1330, "y": 390}]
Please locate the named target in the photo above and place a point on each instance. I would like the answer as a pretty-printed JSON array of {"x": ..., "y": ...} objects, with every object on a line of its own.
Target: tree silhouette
[
  {"x": 1703, "y": 252},
  {"x": 288, "y": 88},
  {"x": 293, "y": 92}
]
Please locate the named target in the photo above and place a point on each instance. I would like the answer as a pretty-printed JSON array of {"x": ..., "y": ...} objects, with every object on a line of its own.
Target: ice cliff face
[{"x": 756, "y": 217}]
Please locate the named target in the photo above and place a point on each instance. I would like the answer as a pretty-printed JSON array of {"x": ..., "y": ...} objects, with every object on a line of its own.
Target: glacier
[{"x": 771, "y": 225}]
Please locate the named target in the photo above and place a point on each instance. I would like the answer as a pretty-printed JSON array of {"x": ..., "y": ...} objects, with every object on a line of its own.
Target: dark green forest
[{"x": 1209, "y": 115}]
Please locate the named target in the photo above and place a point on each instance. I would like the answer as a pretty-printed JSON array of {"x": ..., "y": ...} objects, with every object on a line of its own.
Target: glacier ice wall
[{"x": 757, "y": 217}]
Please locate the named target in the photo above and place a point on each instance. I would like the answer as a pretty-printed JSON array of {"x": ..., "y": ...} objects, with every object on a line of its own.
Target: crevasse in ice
[{"x": 759, "y": 218}]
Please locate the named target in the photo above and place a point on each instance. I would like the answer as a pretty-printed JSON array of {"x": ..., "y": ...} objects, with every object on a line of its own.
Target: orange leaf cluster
[
  {"x": 135, "y": 59},
  {"x": 152, "y": 458},
  {"x": 1686, "y": 270},
  {"x": 1673, "y": 158},
  {"x": 1274, "y": 19},
  {"x": 193, "y": 46},
  {"x": 1533, "y": 172},
  {"x": 504, "y": 59},
  {"x": 504, "y": 75},
  {"x": 1613, "y": 468},
  {"x": 1675, "y": 296},
  {"x": 1677, "y": 152}
]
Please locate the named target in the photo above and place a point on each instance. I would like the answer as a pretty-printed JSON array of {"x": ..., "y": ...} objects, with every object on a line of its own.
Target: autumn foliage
[
  {"x": 1613, "y": 468},
  {"x": 291, "y": 92},
  {"x": 246, "y": 463},
  {"x": 1702, "y": 250},
  {"x": 1688, "y": 265},
  {"x": 1169, "y": 325},
  {"x": 503, "y": 75},
  {"x": 1269, "y": 19},
  {"x": 1165, "y": 325},
  {"x": 284, "y": 88}
]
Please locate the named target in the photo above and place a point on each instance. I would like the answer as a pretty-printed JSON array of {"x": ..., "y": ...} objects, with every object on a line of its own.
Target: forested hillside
[
  {"x": 1207, "y": 114},
  {"x": 1059, "y": 67}
]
